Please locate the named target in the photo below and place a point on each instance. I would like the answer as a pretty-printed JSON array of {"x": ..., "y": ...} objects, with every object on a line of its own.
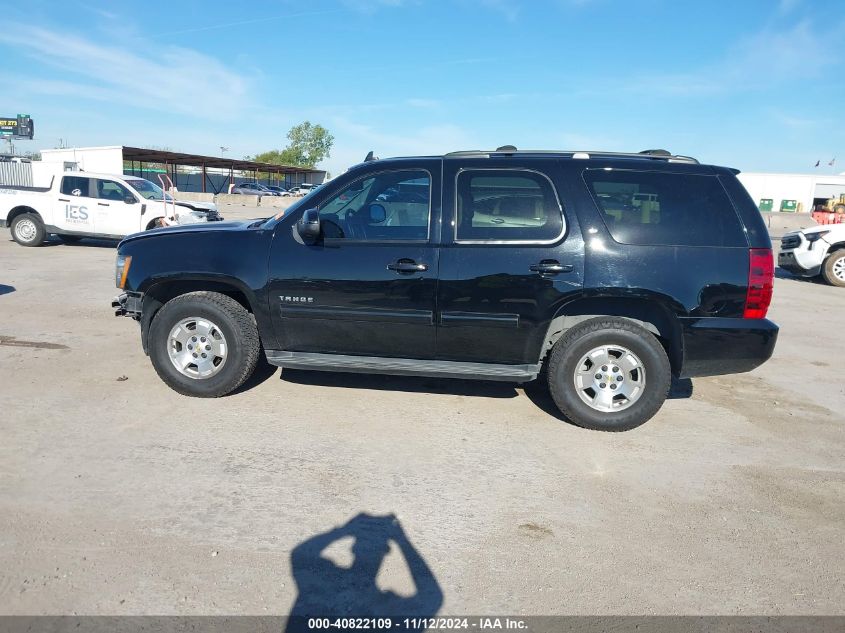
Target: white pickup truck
[
  {"x": 82, "y": 204},
  {"x": 819, "y": 250}
]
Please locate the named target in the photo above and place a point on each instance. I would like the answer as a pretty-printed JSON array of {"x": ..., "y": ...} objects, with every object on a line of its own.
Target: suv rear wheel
[
  {"x": 833, "y": 269},
  {"x": 609, "y": 374},
  {"x": 204, "y": 344}
]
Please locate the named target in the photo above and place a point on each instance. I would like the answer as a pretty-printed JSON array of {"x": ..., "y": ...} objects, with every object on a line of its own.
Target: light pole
[{"x": 223, "y": 150}]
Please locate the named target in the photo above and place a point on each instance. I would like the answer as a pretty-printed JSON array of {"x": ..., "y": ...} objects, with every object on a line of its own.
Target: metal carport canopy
[{"x": 195, "y": 160}]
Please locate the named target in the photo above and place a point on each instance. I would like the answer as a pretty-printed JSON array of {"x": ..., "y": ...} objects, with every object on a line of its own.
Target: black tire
[
  {"x": 235, "y": 323},
  {"x": 581, "y": 339},
  {"x": 70, "y": 239},
  {"x": 28, "y": 230},
  {"x": 834, "y": 262}
]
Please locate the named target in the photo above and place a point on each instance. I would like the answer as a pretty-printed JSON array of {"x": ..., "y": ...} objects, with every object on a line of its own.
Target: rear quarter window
[{"x": 664, "y": 208}]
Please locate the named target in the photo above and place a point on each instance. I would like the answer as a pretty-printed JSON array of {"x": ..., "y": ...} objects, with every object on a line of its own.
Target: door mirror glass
[
  {"x": 378, "y": 214},
  {"x": 308, "y": 226}
]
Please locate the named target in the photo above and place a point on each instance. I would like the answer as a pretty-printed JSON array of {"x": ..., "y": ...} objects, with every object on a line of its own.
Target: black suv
[{"x": 611, "y": 272}]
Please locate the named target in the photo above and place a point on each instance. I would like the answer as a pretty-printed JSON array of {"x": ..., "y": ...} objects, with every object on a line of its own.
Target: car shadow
[
  {"x": 263, "y": 372},
  {"x": 329, "y": 589},
  {"x": 90, "y": 242},
  {"x": 537, "y": 392},
  {"x": 780, "y": 273},
  {"x": 410, "y": 384},
  {"x": 4, "y": 289}
]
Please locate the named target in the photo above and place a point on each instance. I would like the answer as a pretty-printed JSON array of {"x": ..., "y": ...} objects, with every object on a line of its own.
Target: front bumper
[
  {"x": 799, "y": 263},
  {"x": 716, "y": 346},
  {"x": 128, "y": 304}
]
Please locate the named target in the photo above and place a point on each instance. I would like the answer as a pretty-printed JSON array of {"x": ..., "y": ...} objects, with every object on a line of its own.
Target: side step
[{"x": 402, "y": 366}]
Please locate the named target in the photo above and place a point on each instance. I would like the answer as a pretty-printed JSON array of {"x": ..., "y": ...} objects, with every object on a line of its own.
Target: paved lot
[{"x": 118, "y": 496}]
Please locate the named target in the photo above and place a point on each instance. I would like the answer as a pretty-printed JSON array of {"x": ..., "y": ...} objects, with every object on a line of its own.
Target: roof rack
[{"x": 649, "y": 154}]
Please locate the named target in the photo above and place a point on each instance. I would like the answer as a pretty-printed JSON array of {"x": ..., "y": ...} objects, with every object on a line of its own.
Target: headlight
[
  {"x": 199, "y": 215},
  {"x": 121, "y": 269},
  {"x": 814, "y": 237}
]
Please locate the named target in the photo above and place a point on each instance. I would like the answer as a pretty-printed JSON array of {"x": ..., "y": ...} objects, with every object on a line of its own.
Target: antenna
[{"x": 370, "y": 157}]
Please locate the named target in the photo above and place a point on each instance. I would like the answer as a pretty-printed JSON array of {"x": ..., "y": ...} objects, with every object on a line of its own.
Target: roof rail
[{"x": 649, "y": 154}]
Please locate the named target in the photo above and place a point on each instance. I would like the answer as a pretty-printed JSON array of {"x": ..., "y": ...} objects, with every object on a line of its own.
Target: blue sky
[{"x": 752, "y": 84}]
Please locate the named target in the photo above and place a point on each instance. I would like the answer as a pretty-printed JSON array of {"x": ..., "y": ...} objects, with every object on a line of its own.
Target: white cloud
[
  {"x": 423, "y": 103},
  {"x": 165, "y": 78},
  {"x": 762, "y": 60},
  {"x": 795, "y": 122},
  {"x": 353, "y": 140},
  {"x": 286, "y": 17},
  {"x": 371, "y": 6},
  {"x": 508, "y": 8}
]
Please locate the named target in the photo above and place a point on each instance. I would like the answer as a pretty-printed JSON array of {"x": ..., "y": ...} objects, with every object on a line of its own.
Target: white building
[{"x": 802, "y": 192}]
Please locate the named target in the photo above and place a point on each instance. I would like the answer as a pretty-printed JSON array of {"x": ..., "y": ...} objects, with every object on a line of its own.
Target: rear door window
[
  {"x": 660, "y": 208},
  {"x": 76, "y": 186},
  {"x": 507, "y": 205}
]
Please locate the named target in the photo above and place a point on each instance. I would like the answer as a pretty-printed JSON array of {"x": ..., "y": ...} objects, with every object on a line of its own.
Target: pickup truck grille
[{"x": 790, "y": 241}]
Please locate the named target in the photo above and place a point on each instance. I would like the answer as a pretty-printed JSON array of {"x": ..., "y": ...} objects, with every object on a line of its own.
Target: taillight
[{"x": 761, "y": 274}]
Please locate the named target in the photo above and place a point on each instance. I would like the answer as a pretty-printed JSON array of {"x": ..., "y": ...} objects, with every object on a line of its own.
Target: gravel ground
[{"x": 118, "y": 496}]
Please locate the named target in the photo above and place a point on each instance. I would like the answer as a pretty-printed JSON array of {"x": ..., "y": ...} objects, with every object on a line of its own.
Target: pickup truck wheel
[
  {"x": 833, "y": 269},
  {"x": 609, "y": 374},
  {"x": 204, "y": 344},
  {"x": 28, "y": 230}
]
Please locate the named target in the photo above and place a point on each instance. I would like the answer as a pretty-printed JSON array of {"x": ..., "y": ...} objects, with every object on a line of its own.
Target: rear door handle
[
  {"x": 102, "y": 204},
  {"x": 64, "y": 199},
  {"x": 550, "y": 267},
  {"x": 407, "y": 266}
]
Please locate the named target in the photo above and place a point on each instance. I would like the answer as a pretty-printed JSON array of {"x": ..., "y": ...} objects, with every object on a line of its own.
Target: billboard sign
[{"x": 17, "y": 127}]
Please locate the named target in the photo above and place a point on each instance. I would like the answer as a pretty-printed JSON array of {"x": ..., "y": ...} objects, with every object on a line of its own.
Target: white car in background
[
  {"x": 82, "y": 204},
  {"x": 815, "y": 251}
]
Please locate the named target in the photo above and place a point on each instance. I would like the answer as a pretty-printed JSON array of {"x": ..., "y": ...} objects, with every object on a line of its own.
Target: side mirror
[
  {"x": 308, "y": 226},
  {"x": 130, "y": 200},
  {"x": 378, "y": 213}
]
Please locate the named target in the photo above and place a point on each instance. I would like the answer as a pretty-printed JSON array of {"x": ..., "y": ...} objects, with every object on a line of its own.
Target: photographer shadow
[{"x": 329, "y": 590}]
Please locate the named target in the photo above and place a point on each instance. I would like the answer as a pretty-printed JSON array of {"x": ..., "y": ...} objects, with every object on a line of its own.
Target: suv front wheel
[
  {"x": 204, "y": 344},
  {"x": 609, "y": 374}
]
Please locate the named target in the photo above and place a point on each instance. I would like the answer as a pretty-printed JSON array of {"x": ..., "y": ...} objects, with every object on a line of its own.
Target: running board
[{"x": 402, "y": 366}]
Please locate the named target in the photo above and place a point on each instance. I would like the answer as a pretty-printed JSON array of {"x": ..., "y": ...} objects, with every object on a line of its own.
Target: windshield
[{"x": 147, "y": 189}]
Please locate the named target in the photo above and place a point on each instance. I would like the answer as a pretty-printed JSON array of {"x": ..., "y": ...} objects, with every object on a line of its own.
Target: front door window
[{"x": 390, "y": 206}]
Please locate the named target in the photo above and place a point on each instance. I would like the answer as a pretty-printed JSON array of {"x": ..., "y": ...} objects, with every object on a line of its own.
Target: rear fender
[{"x": 651, "y": 314}]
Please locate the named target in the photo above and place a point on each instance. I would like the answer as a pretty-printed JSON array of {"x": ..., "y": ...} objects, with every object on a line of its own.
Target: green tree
[{"x": 309, "y": 144}]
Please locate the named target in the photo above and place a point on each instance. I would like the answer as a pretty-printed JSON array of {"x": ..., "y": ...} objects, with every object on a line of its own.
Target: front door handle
[
  {"x": 406, "y": 266},
  {"x": 550, "y": 267},
  {"x": 102, "y": 204}
]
